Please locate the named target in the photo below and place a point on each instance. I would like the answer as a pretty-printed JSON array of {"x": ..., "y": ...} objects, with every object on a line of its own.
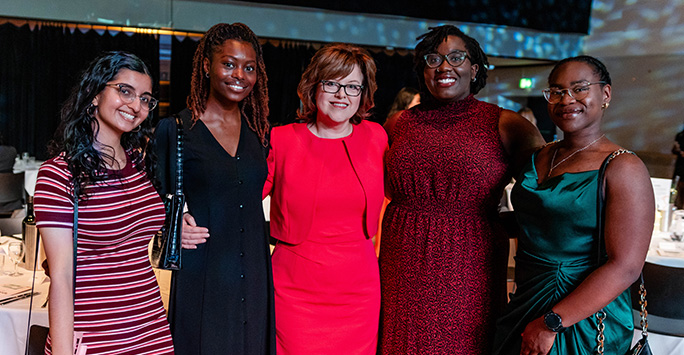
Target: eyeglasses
[
  {"x": 332, "y": 87},
  {"x": 455, "y": 58},
  {"x": 577, "y": 92},
  {"x": 128, "y": 95}
]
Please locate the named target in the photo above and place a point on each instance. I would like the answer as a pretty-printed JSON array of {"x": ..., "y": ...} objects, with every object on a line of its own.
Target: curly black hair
[
  {"x": 431, "y": 40},
  {"x": 78, "y": 128}
]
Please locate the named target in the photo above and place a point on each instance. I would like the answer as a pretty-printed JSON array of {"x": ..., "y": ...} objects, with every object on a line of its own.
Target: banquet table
[
  {"x": 664, "y": 251},
  {"x": 14, "y": 316},
  {"x": 30, "y": 169}
]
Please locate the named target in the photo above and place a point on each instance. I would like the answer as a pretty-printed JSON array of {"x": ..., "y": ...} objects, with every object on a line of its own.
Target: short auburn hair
[{"x": 337, "y": 60}]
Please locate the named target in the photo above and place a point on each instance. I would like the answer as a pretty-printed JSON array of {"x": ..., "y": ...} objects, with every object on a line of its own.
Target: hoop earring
[
  {"x": 136, "y": 129},
  {"x": 90, "y": 110},
  {"x": 475, "y": 79},
  {"x": 206, "y": 75}
]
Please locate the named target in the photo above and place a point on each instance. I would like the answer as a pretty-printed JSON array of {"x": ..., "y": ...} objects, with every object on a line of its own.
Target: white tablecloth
[
  {"x": 30, "y": 169},
  {"x": 14, "y": 316},
  {"x": 664, "y": 251}
]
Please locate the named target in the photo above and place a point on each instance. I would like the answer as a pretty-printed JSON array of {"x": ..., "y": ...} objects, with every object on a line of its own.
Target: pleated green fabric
[{"x": 557, "y": 249}]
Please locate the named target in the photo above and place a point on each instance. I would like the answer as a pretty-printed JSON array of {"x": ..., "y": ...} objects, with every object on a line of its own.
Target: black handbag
[
  {"x": 641, "y": 347},
  {"x": 166, "y": 244}
]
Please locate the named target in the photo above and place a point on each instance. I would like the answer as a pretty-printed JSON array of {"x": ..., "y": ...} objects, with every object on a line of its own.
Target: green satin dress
[{"x": 557, "y": 249}]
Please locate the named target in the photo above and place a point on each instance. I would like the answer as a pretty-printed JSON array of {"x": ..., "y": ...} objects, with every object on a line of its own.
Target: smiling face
[
  {"x": 575, "y": 116},
  {"x": 336, "y": 109},
  {"x": 116, "y": 116},
  {"x": 447, "y": 83},
  {"x": 232, "y": 71}
]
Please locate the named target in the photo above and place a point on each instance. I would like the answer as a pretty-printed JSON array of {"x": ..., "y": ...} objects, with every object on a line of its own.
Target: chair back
[
  {"x": 11, "y": 192},
  {"x": 664, "y": 297}
]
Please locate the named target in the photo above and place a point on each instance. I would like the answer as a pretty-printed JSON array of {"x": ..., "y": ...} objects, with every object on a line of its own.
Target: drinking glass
[{"x": 16, "y": 252}]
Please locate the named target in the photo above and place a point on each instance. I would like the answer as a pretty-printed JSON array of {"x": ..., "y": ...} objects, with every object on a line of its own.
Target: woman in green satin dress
[{"x": 559, "y": 286}]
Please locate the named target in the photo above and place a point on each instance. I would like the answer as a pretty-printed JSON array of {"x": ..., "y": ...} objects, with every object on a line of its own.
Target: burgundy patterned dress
[{"x": 443, "y": 255}]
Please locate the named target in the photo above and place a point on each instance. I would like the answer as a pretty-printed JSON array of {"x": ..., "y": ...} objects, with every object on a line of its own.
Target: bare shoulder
[
  {"x": 516, "y": 130},
  {"x": 519, "y": 137},
  {"x": 629, "y": 171}
]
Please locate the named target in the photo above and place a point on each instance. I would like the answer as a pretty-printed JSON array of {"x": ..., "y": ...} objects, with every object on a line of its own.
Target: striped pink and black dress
[{"x": 118, "y": 304}]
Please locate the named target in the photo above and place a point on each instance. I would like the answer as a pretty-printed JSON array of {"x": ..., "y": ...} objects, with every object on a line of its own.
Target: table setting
[{"x": 15, "y": 296}]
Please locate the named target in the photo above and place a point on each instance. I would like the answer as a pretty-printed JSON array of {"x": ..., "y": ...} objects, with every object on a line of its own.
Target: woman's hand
[
  {"x": 537, "y": 339},
  {"x": 192, "y": 234}
]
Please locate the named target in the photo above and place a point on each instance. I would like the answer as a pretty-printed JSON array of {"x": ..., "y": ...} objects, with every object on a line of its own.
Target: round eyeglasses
[
  {"x": 577, "y": 92},
  {"x": 332, "y": 87},
  {"x": 128, "y": 95},
  {"x": 455, "y": 59}
]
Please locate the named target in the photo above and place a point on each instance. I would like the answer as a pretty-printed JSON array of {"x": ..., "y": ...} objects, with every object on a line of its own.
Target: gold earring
[{"x": 605, "y": 105}]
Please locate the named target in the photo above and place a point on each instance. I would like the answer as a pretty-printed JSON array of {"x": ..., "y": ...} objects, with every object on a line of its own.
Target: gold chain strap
[
  {"x": 643, "y": 313},
  {"x": 600, "y": 316}
]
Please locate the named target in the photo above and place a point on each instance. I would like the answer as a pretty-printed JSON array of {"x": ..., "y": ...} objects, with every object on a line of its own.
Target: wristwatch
[{"x": 554, "y": 322}]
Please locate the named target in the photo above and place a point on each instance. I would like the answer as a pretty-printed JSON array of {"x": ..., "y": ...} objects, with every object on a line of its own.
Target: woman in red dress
[
  {"x": 443, "y": 253},
  {"x": 326, "y": 183}
]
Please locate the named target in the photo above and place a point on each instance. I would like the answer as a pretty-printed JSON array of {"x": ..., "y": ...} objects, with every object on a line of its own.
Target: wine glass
[{"x": 16, "y": 253}]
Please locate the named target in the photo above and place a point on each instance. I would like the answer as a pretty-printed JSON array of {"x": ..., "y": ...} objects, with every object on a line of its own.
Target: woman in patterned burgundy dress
[
  {"x": 443, "y": 253},
  {"x": 101, "y": 158}
]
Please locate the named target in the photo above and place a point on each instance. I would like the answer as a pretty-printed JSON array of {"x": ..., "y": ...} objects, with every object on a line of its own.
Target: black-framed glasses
[
  {"x": 128, "y": 95},
  {"x": 455, "y": 59},
  {"x": 332, "y": 87},
  {"x": 577, "y": 92}
]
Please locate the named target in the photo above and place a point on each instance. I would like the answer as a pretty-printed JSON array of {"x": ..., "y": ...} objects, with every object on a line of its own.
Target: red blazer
[{"x": 294, "y": 172}]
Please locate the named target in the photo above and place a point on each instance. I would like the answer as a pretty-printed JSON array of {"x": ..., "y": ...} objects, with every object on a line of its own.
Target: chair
[
  {"x": 11, "y": 192},
  {"x": 664, "y": 297}
]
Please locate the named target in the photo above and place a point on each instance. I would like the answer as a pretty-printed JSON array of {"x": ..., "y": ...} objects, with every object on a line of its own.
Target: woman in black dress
[{"x": 222, "y": 298}]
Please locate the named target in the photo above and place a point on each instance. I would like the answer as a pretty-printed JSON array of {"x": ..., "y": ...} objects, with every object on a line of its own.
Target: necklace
[{"x": 571, "y": 154}]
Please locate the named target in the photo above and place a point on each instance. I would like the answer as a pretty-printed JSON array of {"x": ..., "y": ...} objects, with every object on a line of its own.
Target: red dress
[
  {"x": 327, "y": 287},
  {"x": 443, "y": 257}
]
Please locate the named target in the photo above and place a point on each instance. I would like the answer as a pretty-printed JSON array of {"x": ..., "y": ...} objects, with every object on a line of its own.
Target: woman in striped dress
[{"x": 100, "y": 157}]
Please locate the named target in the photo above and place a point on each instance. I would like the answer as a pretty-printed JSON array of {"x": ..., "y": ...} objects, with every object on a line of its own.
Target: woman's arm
[
  {"x": 519, "y": 137},
  {"x": 58, "y": 244},
  {"x": 630, "y": 213}
]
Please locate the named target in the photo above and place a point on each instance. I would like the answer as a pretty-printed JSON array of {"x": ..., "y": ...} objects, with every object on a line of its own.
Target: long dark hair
[
  {"x": 255, "y": 106},
  {"x": 76, "y": 133},
  {"x": 431, "y": 40}
]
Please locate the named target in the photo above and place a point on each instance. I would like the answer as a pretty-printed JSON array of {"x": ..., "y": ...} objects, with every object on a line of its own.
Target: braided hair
[
  {"x": 255, "y": 106},
  {"x": 431, "y": 40}
]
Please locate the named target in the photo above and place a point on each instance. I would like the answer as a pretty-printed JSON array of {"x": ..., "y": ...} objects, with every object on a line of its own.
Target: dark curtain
[
  {"x": 39, "y": 67},
  {"x": 285, "y": 64},
  {"x": 182, "y": 52},
  {"x": 395, "y": 71}
]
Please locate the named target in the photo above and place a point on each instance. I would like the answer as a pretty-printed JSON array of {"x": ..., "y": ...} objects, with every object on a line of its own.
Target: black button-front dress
[{"x": 222, "y": 300}]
